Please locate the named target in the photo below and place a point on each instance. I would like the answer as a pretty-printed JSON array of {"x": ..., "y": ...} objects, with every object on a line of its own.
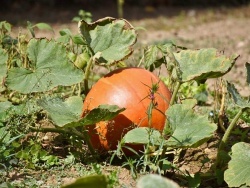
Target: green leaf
[
  {"x": 202, "y": 64},
  {"x": 43, "y": 26},
  {"x": 153, "y": 180},
  {"x": 5, "y": 26},
  {"x": 3, "y": 67},
  {"x": 143, "y": 135},
  {"x": 101, "y": 113},
  {"x": 189, "y": 129},
  {"x": 99, "y": 181},
  {"x": 50, "y": 68},
  {"x": 67, "y": 113},
  {"x": 248, "y": 72},
  {"x": 109, "y": 38},
  {"x": 238, "y": 172},
  {"x": 238, "y": 100},
  {"x": 78, "y": 39},
  {"x": 153, "y": 55},
  {"x": 64, "y": 32},
  {"x": 62, "y": 112}
]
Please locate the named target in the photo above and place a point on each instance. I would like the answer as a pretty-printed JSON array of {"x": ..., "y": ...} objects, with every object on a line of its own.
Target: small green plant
[{"x": 83, "y": 15}]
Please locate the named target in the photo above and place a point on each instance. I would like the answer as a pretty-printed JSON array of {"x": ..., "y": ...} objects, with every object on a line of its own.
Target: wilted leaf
[
  {"x": 143, "y": 135},
  {"x": 240, "y": 101},
  {"x": 49, "y": 68},
  {"x": 62, "y": 112},
  {"x": 238, "y": 172},
  {"x": 202, "y": 64},
  {"x": 153, "y": 180},
  {"x": 189, "y": 129},
  {"x": 3, "y": 67},
  {"x": 99, "y": 181},
  {"x": 110, "y": 38}
]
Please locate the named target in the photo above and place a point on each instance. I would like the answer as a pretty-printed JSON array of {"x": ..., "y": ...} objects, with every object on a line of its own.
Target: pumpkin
[{"x": 128, "y": 88}]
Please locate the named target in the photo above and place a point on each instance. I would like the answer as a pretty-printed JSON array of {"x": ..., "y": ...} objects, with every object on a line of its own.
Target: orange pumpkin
[{"x": 128, "y": 88}]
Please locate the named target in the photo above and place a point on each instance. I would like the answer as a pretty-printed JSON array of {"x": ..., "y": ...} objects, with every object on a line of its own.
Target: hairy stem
[{"x": 176, "y": 89}]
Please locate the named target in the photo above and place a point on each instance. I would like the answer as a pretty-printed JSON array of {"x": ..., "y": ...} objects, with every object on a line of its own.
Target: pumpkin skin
[{"x": 127, "y": 88}]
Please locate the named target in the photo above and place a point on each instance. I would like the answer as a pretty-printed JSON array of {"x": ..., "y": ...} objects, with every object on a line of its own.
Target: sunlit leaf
[
  {"x": 238, "y": 172},
  {"x": 203, "y": 64},
  {"x": 98, "y": 181},
  {"x": 154, "y": 180},
  {"x": 238, "y": 100},
  {"x": 111, "y": 39},
  {"x": 189, "y": 129},
  {"x": 143, "y": 135},
  {"x": 49, "y": 68}
]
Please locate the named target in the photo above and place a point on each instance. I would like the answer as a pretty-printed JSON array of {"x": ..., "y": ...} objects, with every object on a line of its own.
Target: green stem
[
  {"x": 79, "y": 90},
  {"x": 164, "y": 149},
  {"x": 120, "y": 8},
  {"x": 87, "y": 73},
  {"x": 227, "y": 134},
  {"x": 176, "y": 89}
]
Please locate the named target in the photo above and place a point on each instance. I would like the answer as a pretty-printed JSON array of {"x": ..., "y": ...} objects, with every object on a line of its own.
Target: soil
[{"x": 226, "y": 29}]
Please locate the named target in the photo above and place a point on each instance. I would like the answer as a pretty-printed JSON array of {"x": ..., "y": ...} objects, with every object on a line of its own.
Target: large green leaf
[
  {"x": 238, "y": 172},
  {"x": 238, "y": 100},
  {"x": 143, "y": 135},
  {"x": 94, "y": 181},
  {"x": 203, "y": 64},
  {"x": 49, "y": 68},
  {"x": 67, "y": 113},
  {"x": 62, "y": 112},
  {"x": 109, "y": 39},
  {"x": 3, "y": 67},
  {"x": 189, "y": 129},
  {"x": 154, "y": 180}
]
